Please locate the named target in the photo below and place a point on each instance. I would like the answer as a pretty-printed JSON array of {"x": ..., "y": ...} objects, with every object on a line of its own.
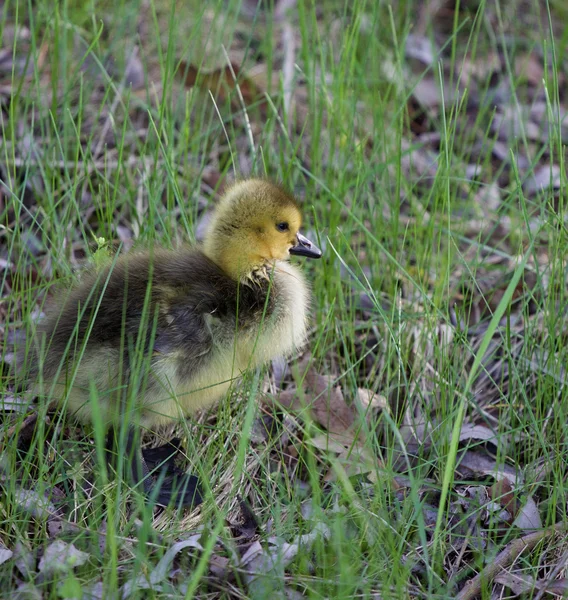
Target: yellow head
[{"x": 255, "y": 223}]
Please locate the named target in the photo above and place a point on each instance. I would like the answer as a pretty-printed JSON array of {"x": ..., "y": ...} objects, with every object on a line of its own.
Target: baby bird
[{"x": 160, "y": 334}]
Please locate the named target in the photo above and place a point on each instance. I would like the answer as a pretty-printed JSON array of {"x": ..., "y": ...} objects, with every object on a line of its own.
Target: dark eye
[{"x": 282, "y": 226}]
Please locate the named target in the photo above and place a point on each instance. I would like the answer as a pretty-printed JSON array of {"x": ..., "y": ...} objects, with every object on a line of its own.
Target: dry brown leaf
[
  {"x": 355, "y": 461},
  {"x": 219, "y": 566},
  {"x": 14, "y": 403},
  {"x": 352, "y": 456},
  {"x": 502, "y": 492},
  {"x": 559, "y": 587},
  {"x": 287, "y": 398},
  {"x": 369, "y": 400},
  {"x": 222, "y": 82},
  {"x": 134, "y": 74},
  {"x": 488, "y": 197},
  {"x": 420, "y": 48},
  {"x": 528, "y": 518},
  {"x": 94, "y": 592},
  {"x": 529, "y": 67},
  {"x": 36, "y": 505},
  {"x": 472, "y": 587},
  {"x": 24, "y": 561},
  {"x": 480, "y": 464},
  {"x": 328, "y": 443},
  {"x": 543, "y": 178},
  {"x": 264, "y": 564},
  {"x": 161, "y": 570},
  {"x": 427, "y": 93},
  {"x": 469, "y": 431},
  {"x": 326, "y": 402},
  {"x": 519, "y": 583},
  {"x": 61, "y": 557},
  {"x": 327, "y": 407},
  {"x": 5, "y": 554}
]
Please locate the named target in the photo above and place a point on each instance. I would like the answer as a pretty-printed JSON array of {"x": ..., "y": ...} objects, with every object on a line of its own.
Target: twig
[
  {"x": 282, "y": 8},
  {"x": 561, "y": 564},
  {"x": 282, "y": 13},
  {"x": 117, "y": 99},
  {"x": 96, "y": 165},
  {"x": 243, "y": 105},
  {"x": 140, "y": 212},
  {"x": 225, "y": 132},
  {"x": 505, "y": 558}
]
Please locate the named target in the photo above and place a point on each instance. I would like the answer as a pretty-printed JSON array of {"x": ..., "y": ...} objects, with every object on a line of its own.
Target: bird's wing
[{"x": 183, "y": 328}]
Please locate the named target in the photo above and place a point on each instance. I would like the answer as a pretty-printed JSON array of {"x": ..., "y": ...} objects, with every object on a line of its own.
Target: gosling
[{"x": 199, "y": 317}]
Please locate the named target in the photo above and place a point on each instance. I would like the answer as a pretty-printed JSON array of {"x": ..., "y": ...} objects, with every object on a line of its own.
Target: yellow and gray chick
[{"x": 194, "y": 318}]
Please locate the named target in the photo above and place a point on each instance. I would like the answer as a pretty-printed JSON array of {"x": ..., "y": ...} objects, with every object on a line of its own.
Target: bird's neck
[{"x": 234, "y": 260}]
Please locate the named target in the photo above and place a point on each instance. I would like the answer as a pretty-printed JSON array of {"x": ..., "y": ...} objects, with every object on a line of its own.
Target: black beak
[{"x": 305, "y": 248}]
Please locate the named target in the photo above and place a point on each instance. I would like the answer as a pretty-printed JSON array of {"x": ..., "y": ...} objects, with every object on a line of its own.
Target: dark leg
[
  {"x": 110, "y": 448},
  {"x": 172, "y": 486},
  {"x": 180, "y": 491},
  {"x": 139, "y": 469},
  {"x": 163, "y": 457}
]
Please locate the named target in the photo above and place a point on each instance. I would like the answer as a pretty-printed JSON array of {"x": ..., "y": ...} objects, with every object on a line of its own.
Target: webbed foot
[
  {"x": 163, "y": 457},
  {"x": 154, "y": 471},
  {"x": 168, "y": 484},
  {"x": 181, "y": 490}
]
